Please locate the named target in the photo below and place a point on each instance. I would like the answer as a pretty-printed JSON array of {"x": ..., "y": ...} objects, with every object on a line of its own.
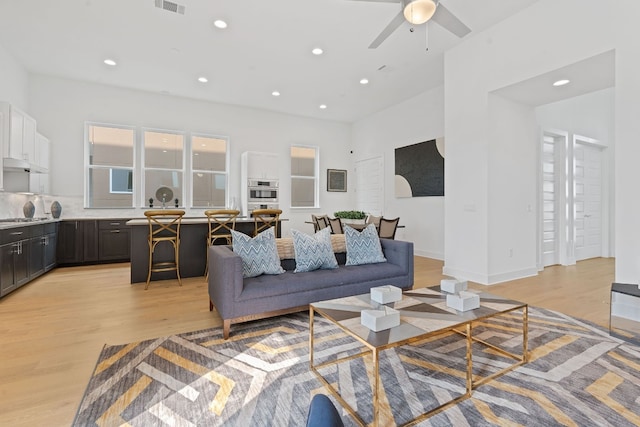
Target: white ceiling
[{"x": 266, "y": 47}]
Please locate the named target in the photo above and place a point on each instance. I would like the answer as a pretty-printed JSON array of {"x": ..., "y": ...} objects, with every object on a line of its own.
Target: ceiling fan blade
[
  {"x": 390, "y": 28},
  {"x": 449, "y": 21}
]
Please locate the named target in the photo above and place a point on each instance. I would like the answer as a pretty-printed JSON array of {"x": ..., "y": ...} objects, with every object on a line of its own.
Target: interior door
[
  {"x": 588, "y": 201},
  {"x": 370, "y": 185},
  {"x": 550, "y": 215}
]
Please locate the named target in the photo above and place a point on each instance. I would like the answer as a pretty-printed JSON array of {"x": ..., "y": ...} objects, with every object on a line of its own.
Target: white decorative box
[
  {"x": 386, "y": 294},
  {"x": 463, "y": 301},
  {"x": 379, "y": 320},
  {"x": 452, "y": 286}
]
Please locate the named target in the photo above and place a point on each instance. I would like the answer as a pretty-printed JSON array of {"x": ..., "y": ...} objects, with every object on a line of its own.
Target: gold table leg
[
  {"x": 376, "y": 383},
  {"x": 469, "y": 360}
]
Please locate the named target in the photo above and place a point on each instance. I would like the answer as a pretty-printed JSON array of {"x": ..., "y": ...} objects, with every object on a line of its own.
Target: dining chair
[
  {"x": 164, "y": 226},
  {"x": 387, "y": 228},
  {"x": 221, "y": 222},
  {"x": 319, "y": 222},
  {"x": 372, "y": 219},
  {"x": 265, "y": 218},
  {"x": 336, "y": 226}
]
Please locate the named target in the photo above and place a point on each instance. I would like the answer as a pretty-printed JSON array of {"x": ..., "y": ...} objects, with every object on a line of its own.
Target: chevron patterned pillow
[
  {"x": 313, "y": 252},
  {"x": 259, "y": 254},
  {"x": 363, "y": 247}
]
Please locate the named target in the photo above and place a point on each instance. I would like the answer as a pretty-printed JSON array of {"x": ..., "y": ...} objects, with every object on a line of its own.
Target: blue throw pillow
[
  {"x": 363, "y": 247},
  {"x": 313, "y": 252},
  {"x": 259, "y": 254}
]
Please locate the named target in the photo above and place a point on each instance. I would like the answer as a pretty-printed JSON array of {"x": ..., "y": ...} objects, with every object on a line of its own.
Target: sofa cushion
[
  {"x": 320, "y": 282},
  {"x": 313, "y": 252},
  {"x": 259, "y": 254},
  {"x": 363, "y": 247}
]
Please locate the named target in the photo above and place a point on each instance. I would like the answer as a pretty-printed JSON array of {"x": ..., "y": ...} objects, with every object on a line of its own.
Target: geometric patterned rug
[{"x": 577, "y": 375}]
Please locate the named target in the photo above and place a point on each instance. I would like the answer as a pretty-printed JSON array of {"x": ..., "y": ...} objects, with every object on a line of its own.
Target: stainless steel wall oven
[{"x": 263, "y": 191}]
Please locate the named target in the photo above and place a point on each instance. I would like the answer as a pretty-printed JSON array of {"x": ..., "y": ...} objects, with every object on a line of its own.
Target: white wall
[
  {"x": 510, "y": 52},
  {"x": 62, "y": 106},
  {"x": 627, "y": 135},
  {"x": 415, "y": 120},
  {"x": 14, "y": 81},
  {"x": 512, "y": 207}
]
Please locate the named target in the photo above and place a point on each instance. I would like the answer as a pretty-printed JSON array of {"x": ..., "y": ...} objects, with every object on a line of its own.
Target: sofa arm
[
  {"x": 399, "y": 253},
  {"x": 225, "y": 279}
]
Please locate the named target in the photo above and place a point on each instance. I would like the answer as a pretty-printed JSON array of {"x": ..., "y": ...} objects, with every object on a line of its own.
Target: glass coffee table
[{"x": 424, "y": 315}]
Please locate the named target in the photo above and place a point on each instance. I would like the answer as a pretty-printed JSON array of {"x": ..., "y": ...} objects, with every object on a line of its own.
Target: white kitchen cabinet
[
  {"x": 260, "y": 165},
  {"x": 28, "y": 138},
  {"x": 39, "y": 183},
  {"x": 19, "y": 134},
  {"x": 41, "y": 153}
]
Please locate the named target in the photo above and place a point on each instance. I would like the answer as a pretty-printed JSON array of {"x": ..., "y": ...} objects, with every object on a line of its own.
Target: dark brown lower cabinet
[
  {"x": 114, "y": 240},
  {"x": 93, "y": 241},
  {"x": 14, "y": 259},
  {"x": 70, "y": 244}
]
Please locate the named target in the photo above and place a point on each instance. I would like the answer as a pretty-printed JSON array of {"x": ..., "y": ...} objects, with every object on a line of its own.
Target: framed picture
[{"x": 336, "y": 180}]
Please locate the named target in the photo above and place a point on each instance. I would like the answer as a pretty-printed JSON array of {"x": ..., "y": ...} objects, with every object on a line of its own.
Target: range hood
[{"x": 18, "y": 165}]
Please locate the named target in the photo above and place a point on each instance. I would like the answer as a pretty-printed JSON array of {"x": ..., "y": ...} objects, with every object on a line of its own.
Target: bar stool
[
  {"x": 164, "y": 226},
  {"x": 265, "y": 218},
  {"x": 221, "y": 222}
]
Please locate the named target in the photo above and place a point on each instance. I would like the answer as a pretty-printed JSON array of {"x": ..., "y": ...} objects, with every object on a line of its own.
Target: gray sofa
[{"x": 240, "y": 300}]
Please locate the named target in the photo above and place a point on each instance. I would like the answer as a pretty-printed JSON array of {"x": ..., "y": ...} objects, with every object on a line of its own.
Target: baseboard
[
  {"x": 433, "y": 255},
  {"x": 512, "y": 275},
  {"x": 464, "y": 275},
  {"x": 491, "y": 279}
]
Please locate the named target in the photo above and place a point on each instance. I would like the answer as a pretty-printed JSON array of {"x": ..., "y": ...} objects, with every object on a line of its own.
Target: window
[
  {"x": 121, "y": 181},
  {"x": 124, "y": 170},
  {"x": 209, "y": 171},
  {"x": 304, "y": 177},
  {"x": 110, "y": 166},
  {"x": 163, "y": 165}
]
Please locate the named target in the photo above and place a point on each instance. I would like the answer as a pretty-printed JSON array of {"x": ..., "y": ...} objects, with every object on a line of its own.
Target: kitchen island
[{"x": 193, "y": 248}]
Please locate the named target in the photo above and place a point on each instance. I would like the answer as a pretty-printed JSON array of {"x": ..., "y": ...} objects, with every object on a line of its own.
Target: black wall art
[{"x": 420, "y": 169}]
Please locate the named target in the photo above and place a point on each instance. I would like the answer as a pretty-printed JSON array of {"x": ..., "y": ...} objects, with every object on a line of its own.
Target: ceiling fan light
[{"x": 418, "y": 11}]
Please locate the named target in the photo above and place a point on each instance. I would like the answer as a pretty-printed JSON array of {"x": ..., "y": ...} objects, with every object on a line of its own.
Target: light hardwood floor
[{"x": 54, "y": 328}]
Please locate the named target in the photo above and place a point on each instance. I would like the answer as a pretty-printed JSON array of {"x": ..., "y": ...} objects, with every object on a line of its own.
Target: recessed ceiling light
[
  {"x": 317, "y": 51},
  {"x": 219, "y": 23},
  {"x": 323, "y": 107},
  {"x": 110, "y": 62},
  {"x": 561, "y": 82},
  {"x": 203, "y": 79},
  {"x": 275, "y": 93},
  {"x": 364, "y": 81}
]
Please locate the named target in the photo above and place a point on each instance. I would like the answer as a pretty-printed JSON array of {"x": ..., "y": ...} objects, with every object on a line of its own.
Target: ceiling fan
[{"x": 419, "y": 12}]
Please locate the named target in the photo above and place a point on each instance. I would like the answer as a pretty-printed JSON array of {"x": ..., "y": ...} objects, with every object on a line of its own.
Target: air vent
[{"x": 170, "y": 6}]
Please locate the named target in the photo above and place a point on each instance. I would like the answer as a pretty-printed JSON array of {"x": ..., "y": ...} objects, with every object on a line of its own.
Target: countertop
[
  {"x": 189, "y": 220},
  {"x": 8, "y": 225}
]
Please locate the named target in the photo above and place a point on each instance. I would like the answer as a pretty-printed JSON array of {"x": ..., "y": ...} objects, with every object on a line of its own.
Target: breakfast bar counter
[{"x": 193, "y": 248}]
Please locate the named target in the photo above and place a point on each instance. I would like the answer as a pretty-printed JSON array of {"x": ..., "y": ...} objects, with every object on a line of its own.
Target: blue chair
[{"x": 322, "y": 413}]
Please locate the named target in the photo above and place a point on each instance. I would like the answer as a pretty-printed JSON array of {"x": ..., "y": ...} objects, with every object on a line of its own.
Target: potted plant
[{"x": 354, "y": 217}]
